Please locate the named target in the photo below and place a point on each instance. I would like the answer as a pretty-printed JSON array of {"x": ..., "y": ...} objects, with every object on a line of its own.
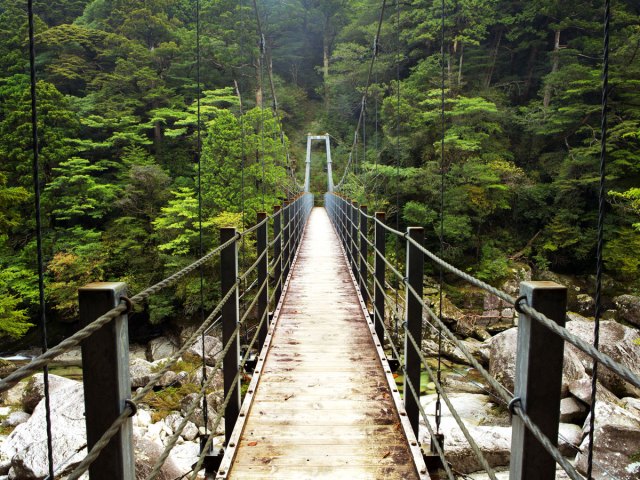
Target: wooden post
[
  {"x": 230, "y": 318},
  {"x": 286, "y": 241},
  {"x": 277, "y": 251},
  {"x": 538, "y": 381},
  {"x": 413, "y": 317},
  {"x": 263, "y": 276},
  {"x": 105, "y": 363},
  {"x": 378, "y": 290},
  {"x": 364, "y": 251}
]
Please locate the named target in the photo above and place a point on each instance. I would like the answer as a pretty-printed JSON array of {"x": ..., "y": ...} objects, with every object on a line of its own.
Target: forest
[{"x": 517, "y": 148}]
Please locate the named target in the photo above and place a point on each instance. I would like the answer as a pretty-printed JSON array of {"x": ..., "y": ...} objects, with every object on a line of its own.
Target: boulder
[
  {"x": 569, "y": 438},
  {"x": 173, "y": 421},
  {"x": 212, "y": 348},
  {"x": 24, "y": 453},
  {"x": 450, "y": 351},
  {"x": 14, "y": 395},
  {"x": 572, "y": 411},
  {"x": 185, "y": 455},
  {"x": 617, "y": 341},
  {"x": 632, "y": 404},
  {"x": 628, "y": 308},
  {"x": 616, "y": 444},
  {"x": 147, "y": 451},
  {"x": 160, "y": 348},
  {"x": 15, "y": 418},
  {"x": 581, "y": 389},
  {"x": 488, "y": 424},
  {"x": 34, "y": 390},
  {"x": 455, "y": 382},
  {"x": 26, "y": 446},
  {"x": 474, "y": 409},
  {"x": 585, "y": 304},
  {"x": 502, "y": 361},
  {"x": 142, "y": 371},
  {"x": 137, "y": 351},
  {"x": 494, "y": 443}
]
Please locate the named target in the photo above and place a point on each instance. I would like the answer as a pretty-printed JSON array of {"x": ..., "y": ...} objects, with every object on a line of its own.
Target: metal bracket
[{"x": 212, "y": 460}]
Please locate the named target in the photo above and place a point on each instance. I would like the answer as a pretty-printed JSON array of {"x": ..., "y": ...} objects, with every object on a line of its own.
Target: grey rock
[
  {"x": 142, "y": 372},
  {"x": 212, "y": 348},
  {"x": 26, "y": 453},
  {"x": 488, "y": 424},
  {"x": 585, "y": 304},
  {"x": 616, "y": 341},
  {"x": 147, "y": 452},
  {"x": 26, "y": 445},
  {"x": 569, "y": 438},
  {"x": 15, "y": 418},
  {"x": 628, "y": 308},
  {"x": 502, "y": 362},
  {"x": 581, "y": 389},
  {"x": 137, "y": 351},
  {"x": 616, "y": 443},
  {"x": 572, "y": 410},
  {"x": 160, "y": 348},
  {"x": 632, "y": 404},
  {"x": 34, "y": 391}
]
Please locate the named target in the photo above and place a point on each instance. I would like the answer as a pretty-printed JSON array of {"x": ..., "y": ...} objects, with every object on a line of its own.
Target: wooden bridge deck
[{"x": 323, "y": 402}]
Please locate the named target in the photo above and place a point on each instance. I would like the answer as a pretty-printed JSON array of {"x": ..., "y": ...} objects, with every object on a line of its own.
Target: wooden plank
[{"x": 322, "y": 406}]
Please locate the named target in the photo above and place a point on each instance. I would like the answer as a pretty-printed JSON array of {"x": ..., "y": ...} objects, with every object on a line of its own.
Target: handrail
[
  {"x": 346, "y": 217},
  {"x": 287, "y": 239}
]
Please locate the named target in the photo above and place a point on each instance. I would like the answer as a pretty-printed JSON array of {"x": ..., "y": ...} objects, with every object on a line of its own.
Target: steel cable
[
  {"x": 140, "y": 394},
  {"x": 364, "y": 96},
  {"x": 72, "y": 341},
  {"x": 35, "y": 147}
]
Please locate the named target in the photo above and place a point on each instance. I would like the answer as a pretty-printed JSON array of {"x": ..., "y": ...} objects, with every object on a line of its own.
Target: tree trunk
[
  {"x": 460, "y": 65},
  {"x": 494, "y": 58},
  {"x": 325, "y": 65},
  {"x": 530, "y": 69},
  {"x": 554, "y": 68},
  {"x": 259, "y": 86},
  {"x": 449, "y": 65}
]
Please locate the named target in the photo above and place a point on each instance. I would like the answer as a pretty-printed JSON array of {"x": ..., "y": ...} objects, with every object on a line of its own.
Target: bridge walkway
[{"x": 323, "y": 403}]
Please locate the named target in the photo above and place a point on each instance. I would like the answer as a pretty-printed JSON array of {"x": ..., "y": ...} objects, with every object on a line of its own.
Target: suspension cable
[
  {"x": 442, "y": 173},
  {"x": 38, "y": 213},
  {"x": 200, "y": 244},
  {"x": 600, "y": 241},
  {"x": 374, "y": 55},
  {"x": 397, "y": 150}
]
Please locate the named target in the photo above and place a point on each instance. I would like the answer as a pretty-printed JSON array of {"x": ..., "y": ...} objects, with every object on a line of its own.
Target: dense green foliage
[{"x": 117, "y": 117}]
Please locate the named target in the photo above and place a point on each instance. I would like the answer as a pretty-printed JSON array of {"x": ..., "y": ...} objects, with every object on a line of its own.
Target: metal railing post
[
  {"x": 354, "y": 238},
  {"x": 277, "y": 251},
  {"x": 230, "y": 318},
  {"x": 538, "y": 381},
  {"x": 378, "y": 291},
  {"x": 105, "y": 361},
  {"x": 413, "y": 317},
  {"x": 286, "y": 241},
  {"x": 364, "y": 251},
  {"x": 263, "y": 276},
  {"x": 344, "y": 224}
]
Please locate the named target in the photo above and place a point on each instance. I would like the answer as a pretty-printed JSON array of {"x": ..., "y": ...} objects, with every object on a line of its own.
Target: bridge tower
[{"x": 307, "y": 174}]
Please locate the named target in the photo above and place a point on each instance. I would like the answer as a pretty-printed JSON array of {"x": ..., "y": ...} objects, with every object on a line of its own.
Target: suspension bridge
[{"x": 322, "y": 401}]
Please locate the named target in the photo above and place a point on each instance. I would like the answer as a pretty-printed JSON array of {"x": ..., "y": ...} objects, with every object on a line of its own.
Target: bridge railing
[
  {"x": 534, "y": 405},
  {"x": 105, "y": 348}
]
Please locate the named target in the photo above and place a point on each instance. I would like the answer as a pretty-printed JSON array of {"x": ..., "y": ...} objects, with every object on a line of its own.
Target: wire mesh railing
[
  {"x": 104, "y": 340},
  {"x": 534, "y": 405}
]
